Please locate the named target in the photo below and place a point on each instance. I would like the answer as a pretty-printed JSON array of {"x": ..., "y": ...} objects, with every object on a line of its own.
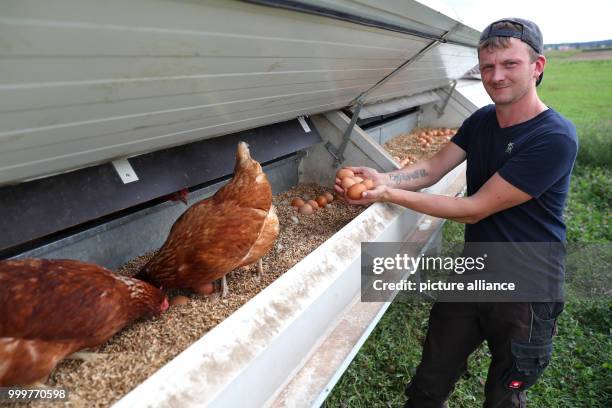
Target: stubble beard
[{"x": 514, "y": 96}]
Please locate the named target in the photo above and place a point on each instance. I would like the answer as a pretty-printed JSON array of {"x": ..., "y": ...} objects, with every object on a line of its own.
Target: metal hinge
[{"x": 440, "y": 109}]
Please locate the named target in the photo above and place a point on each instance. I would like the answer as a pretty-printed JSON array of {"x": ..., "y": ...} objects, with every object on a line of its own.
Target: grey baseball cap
[{"x": 529, "y": 33}]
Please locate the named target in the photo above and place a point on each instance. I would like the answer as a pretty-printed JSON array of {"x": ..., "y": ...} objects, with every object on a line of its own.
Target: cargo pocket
[
  {"x": 530, "y": 360},
  {"x": 543, "y": 321}
]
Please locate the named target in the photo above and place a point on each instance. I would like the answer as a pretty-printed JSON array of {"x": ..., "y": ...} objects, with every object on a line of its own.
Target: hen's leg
[
  {"x": 84, "y": 356},
  {"x": 224, "y": 284},
  {"x": 260, "y": 268}
]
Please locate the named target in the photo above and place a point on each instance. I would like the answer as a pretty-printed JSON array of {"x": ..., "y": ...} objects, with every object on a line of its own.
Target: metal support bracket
[
  {"x": 338, "y": 153},
  {"x": 441, "y": 109}
]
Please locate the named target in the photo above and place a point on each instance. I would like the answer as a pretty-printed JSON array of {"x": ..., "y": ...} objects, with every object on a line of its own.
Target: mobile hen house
[{"x": 107, "y": 107}]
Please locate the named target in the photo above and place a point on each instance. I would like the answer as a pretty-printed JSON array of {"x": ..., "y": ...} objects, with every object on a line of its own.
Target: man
[{"x": 520, "y": 154}]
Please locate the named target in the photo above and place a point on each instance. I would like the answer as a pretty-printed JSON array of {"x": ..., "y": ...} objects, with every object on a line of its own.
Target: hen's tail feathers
[{"x": 243, "y": 154}]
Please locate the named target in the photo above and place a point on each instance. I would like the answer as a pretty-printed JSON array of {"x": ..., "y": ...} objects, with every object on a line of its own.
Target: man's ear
[{"x": 540, "y": 64}]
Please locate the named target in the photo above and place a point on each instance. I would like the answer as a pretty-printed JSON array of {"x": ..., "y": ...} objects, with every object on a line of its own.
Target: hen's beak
[{"x": 165, "y": 305}]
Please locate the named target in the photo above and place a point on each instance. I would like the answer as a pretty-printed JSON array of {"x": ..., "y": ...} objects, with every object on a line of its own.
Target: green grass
[
  {"x": 580, "y": 374},
  {"x": 582, "y": 91}
]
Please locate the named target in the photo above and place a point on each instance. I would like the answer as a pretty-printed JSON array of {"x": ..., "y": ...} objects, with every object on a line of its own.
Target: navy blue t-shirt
[{"x": 535, "y": 156}]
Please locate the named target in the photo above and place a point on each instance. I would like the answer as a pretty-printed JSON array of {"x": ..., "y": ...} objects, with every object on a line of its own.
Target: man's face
[{"x": 507, "y": 73}]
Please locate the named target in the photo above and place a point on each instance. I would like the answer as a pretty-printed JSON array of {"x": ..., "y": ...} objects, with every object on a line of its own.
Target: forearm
[
  {"x": 460, "y": 209},
  {"x": 412, "y": 178}
]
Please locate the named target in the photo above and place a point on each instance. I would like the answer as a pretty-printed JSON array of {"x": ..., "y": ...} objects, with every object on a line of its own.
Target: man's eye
[{"x": 510, "y": 64}]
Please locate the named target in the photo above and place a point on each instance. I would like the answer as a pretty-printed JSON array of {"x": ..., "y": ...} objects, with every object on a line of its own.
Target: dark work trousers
[{"x": 519, "y": 336}]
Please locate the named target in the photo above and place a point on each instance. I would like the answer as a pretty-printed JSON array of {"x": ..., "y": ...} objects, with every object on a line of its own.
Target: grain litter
[{"x": 139, "y": 350}]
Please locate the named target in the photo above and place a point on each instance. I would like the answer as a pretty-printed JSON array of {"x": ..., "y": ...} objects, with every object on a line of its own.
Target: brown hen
[
  {"x": 233, "y": 228},
  {"x": 53, "y": 308}
]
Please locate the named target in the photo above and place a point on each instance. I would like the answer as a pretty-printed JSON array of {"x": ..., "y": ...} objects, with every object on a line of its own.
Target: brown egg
[
  {"x": 297, "y": 202},
  {"x": 368, "y": 183},
  {"x": 322, "y": 201},
  {"x": 328, "y": 196},
  {"x": 347, "y": 182},
  {"x": 205, "y": 288},
  {"x": 306, "y": 209},
  {"x": 179, "y": 300},
  {"x": 355, "y": 191},
  {"x": 427, "y": 146},
  {"x": 313, "y": 204},
  {"x": 343, "y": 173},
  {"x": 357, "y": 179}
]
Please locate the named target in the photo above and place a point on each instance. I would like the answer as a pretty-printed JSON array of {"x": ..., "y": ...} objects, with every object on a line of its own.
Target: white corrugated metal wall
[{"x": 83, "y": 82}]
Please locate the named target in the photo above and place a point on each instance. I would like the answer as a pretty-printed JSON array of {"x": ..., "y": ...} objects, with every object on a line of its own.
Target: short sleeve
[
  {"x": 461, "y": 137},
  {"x": 539, "y": 164}
]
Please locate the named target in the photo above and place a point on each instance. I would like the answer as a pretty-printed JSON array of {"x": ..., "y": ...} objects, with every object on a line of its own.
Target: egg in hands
[{"x": 353, "y": 186}]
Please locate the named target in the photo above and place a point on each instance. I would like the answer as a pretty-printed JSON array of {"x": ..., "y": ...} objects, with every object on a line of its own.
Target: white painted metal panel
[
  {"x": 435, "y": 69},
  {"x": 84, "y": 82}
]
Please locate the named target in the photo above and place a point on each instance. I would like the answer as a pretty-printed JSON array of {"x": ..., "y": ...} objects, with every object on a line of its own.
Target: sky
[{"x": 560, "y": 21}]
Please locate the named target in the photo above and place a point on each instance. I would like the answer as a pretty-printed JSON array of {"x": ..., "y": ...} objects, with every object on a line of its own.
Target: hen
[
  {"x": 53, "y": 308},
  {"x": 233, "y": 228}
]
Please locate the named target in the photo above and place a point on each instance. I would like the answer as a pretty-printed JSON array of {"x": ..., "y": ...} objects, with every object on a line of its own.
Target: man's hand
[
  {"x": 365, "y": 173},
  {"x": 378, "y": 193}
]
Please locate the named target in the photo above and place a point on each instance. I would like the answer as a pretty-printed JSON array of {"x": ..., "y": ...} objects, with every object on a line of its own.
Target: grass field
[{"x": 580, "y": 375}]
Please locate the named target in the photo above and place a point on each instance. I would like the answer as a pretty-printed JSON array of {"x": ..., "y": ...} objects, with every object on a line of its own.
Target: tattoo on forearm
[{"x": 397, "y": 178}]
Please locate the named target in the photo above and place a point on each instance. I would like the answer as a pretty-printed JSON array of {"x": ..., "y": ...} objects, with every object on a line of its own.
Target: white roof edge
[{"x": 428, "y": 16}]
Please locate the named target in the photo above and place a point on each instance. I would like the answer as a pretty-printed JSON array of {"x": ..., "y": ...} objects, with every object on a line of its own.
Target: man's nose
[{"x": 498, "y": 74}]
